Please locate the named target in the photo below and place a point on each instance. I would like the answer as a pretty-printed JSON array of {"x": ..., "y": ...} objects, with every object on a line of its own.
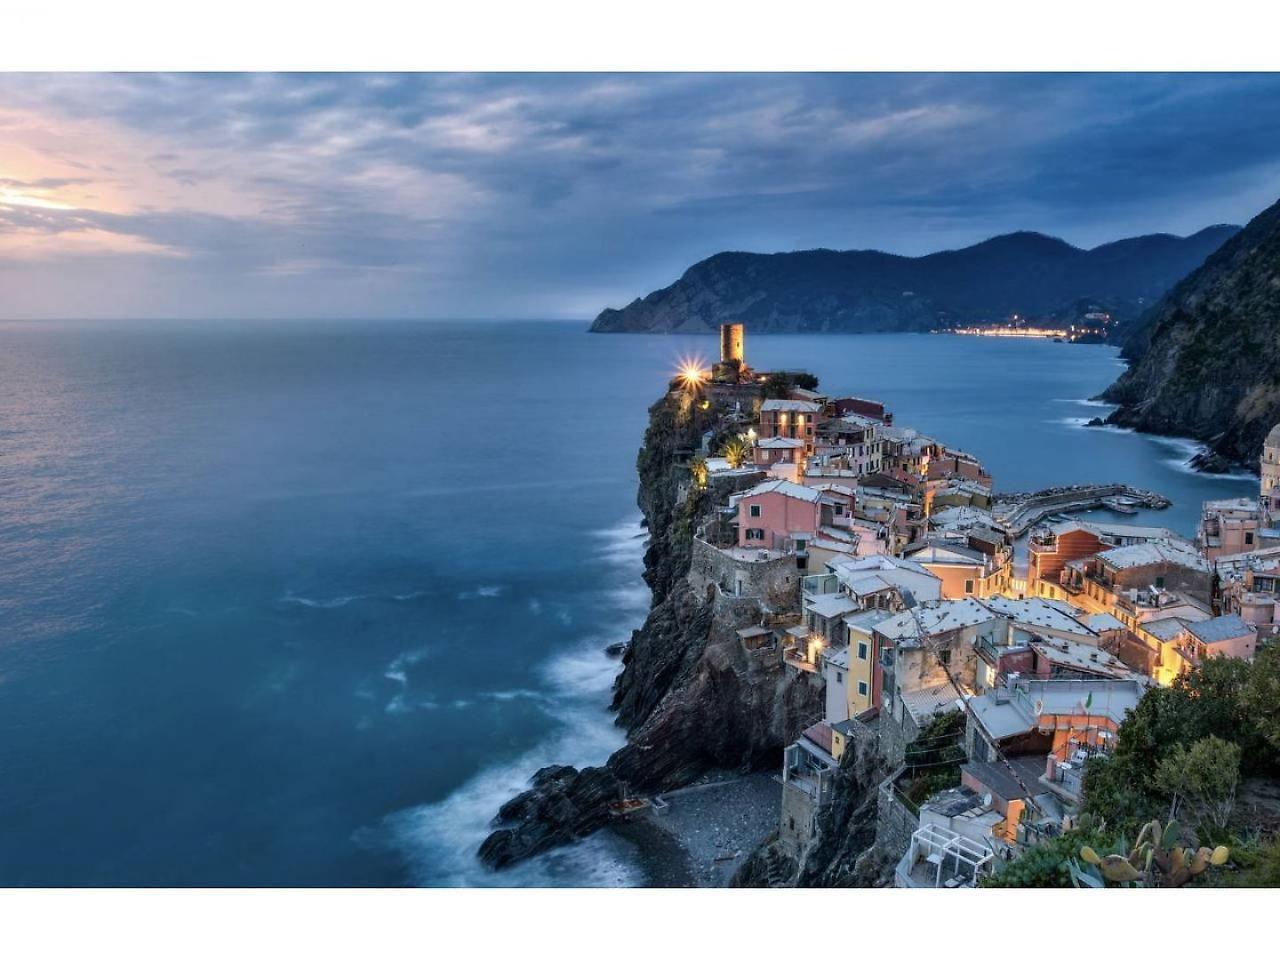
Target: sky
[{"x": 554, "y": 196}]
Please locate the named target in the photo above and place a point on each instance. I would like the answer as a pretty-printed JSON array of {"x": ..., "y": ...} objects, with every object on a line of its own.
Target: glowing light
[{"x": 692, "y": 373}]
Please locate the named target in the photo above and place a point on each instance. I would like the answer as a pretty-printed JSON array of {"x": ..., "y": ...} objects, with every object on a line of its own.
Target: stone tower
[
  {"x": 732, "y": 345},
  {"x": 1269, "y": 467}
]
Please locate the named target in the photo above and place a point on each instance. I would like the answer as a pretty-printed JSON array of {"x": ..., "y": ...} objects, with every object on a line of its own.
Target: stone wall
[
  {"x": 774, "y": 583},
  {"x": 795, "y": 828},
  {"x": 897, "y": 729},
  {"x": 895, "y": 821}
]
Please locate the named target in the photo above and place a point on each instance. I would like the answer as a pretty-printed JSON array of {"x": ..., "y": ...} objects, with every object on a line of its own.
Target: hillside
[
  {"x": 1207, "y": 357},
  {"x": 867, "y": 291}
]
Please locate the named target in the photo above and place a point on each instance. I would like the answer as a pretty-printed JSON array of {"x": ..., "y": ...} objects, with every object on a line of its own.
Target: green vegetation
[
  {"x": 1156, "y": 859},
  {"x": 736, "y": 452},
  {"x": 1202, "y": 778},
  {"x": 1260, "y": 698},
  {"x": 779, "y": 385},
  {"x": 1048, "y": 864},
  {"x": 933, "y": 759},
  {"x": 1189, "y": 743}
]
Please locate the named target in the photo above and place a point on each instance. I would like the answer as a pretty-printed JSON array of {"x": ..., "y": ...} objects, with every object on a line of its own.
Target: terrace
[{"x": 942, "y": 858}]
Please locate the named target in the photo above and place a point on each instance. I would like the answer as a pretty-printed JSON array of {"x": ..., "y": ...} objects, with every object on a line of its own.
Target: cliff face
[
  {"x": 689, "y": 696},
  {"x": 866, "y": 291},
  {"x": 1207, "y": 357},
  {"x": 842, "y": 852}
]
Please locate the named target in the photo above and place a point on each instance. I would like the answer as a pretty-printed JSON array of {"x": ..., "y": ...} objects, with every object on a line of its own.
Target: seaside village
[{"x": 951, "y": 627}]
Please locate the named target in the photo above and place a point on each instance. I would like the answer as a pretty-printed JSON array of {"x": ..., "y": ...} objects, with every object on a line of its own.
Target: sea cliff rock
[
  {"x": 843, "y": 852},
  {"x": 689, "y": 695},
  {"x": 561, "y": 805},
  {"x": 1207, "y": 358}
]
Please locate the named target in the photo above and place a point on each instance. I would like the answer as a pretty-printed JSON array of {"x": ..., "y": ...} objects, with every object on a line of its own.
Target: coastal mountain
[
  {"x": 868, "y": 291},
  {"x": 1206, "y": 358}
]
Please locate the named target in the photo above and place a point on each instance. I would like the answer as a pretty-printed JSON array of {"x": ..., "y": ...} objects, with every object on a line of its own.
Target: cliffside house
[
  {"x": 1228, "y": 527},
  {"x": 808, "y": 769},
  {"x": 976, "y": 565},
  {"x": 794, "y": 419},
  {"x": 1113, "y": 580},
  {"x": 1065, "y": 722},
  {"x": 1181, "y": 645},
  {"x": 786, "y": 516}
]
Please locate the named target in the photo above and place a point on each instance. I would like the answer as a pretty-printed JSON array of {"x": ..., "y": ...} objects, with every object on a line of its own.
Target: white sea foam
[
  {"x": 1082, "y": 423},
  {"x": 438, "y": 841},
  {"x": 482, "y": 593},
  {"x": 1185, "y": 450},
  {"x": 330, "y": 604},
  {"x": 1085, "y": 402},
  {"x": 334, "y": 603}
]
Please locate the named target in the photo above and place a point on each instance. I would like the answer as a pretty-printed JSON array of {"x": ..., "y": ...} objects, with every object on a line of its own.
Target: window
[
  {"x": 754, "y": 510},
  {"x": 862, "y": 688},
  {"x": 802, "y": 563},
  {"x": 1160, "y": 582},
  {"x": 839, "y": 677},
  {"x": 1248, "y": 538},
  {"x": 944, "y": 657},
  {"x": 862, "y": 650},
  {"x": 755, "y": 533},
  {"x": 968, "y": 586}
]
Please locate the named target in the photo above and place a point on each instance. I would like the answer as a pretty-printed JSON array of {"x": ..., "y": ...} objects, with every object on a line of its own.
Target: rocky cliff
[
  {"x": 866, "y": 291},
  {"x": 843, "y": 851},
  {"x": 689, "y": 696},
  {"x": 1207, "y": 357}
]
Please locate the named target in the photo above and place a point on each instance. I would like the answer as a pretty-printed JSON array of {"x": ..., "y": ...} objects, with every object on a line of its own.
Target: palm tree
[{"x": 736, "y": 452}]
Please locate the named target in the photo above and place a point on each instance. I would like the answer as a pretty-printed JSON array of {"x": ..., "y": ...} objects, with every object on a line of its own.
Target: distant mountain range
[
  {"x": 867, "y": 291},
  {"x": 1206, "y": 358}
]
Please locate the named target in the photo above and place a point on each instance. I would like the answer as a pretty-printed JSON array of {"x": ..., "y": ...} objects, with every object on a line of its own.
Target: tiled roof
[{"x": 1219, "y": 629}]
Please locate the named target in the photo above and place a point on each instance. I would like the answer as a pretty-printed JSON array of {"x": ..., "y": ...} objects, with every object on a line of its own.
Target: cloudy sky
[{"x": 554, "y": 196}]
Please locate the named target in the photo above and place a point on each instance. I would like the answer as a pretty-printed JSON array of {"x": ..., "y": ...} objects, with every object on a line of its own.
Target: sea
[{"x": 301, "y": 603}]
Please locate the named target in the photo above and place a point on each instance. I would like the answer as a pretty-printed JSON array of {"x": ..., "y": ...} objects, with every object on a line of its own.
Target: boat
[{"x": 1119, "y": 505}]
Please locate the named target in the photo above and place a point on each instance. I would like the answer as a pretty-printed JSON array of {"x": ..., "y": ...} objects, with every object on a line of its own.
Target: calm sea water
[{"x": 302, "y": 603}]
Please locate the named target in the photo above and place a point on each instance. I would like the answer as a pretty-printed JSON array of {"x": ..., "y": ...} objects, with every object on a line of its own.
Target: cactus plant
[{"x": 1156, "y": 859}]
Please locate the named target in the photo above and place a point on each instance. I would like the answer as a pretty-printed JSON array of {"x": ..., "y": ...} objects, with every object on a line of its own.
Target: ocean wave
[
  {"x": 1186, "y": 451},
  {"x": 482, "y": 593},
  {"x": 438, "y": 841},
  {"x": 1084, "y": 402},
  {"x": 335, "y": 603},
  {"x": 331, "y": 604},
  {"x": 1082, "y": 423}
]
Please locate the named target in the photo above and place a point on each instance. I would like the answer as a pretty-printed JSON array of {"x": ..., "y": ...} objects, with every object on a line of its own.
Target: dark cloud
[{"x": 556, "y": 195}]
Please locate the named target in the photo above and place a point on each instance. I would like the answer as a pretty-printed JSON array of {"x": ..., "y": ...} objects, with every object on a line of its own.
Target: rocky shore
[{"x": 690, "y": 698}]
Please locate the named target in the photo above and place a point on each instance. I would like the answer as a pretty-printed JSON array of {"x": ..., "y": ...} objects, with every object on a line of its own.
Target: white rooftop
[
  {"x": 791, "y": 406},
  {"x": 1157, "y": 551}
]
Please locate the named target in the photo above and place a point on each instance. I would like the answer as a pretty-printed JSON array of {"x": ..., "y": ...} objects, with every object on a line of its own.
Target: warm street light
[{"x": 692, "y": 374}]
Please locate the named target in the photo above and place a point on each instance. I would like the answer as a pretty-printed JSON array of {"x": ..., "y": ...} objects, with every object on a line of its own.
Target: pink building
[
  {"x": 1228, "y": 636},
  {"x": 771, "y": 450},
  {"x": 781, "y": 515},
  {"x": 1228, "y": 527}
]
